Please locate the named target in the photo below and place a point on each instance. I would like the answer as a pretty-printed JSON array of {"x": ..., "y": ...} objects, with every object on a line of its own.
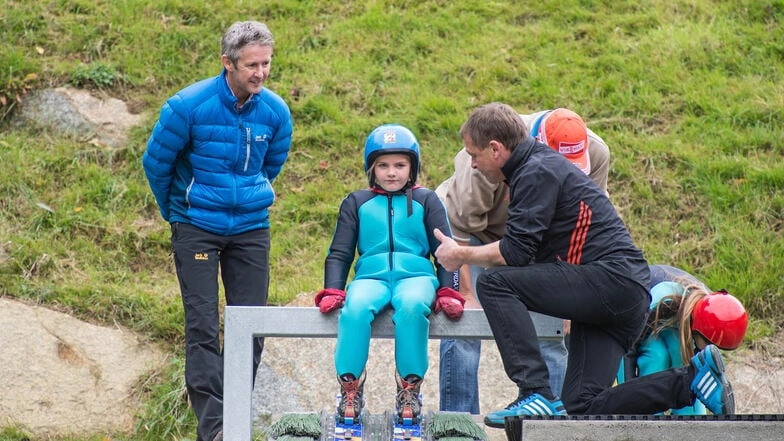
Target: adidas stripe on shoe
[
  {"x": 534, "y": 404},
  {"x": 710, "y": 384}
]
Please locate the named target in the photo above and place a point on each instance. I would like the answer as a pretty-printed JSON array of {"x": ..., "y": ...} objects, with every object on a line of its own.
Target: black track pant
[{"x": 607, "y": 312}]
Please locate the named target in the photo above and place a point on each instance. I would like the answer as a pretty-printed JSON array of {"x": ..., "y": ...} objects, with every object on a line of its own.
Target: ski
[
  {"x": 350, "y": 428},
  {"x": 406, "y": 429},
  {"x": 337, "y": 428}
]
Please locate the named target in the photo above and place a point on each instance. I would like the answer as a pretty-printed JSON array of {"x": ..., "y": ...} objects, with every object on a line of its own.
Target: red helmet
[{"x": 721, "y": 319}]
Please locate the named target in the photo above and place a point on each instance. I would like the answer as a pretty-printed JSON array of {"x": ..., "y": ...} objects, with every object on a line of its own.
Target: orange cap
[{"x": 565, "y": 132}]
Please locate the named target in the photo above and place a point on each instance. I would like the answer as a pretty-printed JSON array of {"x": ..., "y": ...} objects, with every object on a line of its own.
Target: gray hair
[
  {"x": 244, "y": 33},
  {"x": 495, "y": 122}
]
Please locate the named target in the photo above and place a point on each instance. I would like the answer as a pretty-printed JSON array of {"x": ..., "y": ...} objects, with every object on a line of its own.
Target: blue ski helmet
[{"x": 392, "y": 138}]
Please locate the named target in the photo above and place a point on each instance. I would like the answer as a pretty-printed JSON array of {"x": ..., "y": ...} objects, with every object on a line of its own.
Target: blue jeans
[
  {"x": 458, "y": 382},
  {"x": 459, "y": 366}
]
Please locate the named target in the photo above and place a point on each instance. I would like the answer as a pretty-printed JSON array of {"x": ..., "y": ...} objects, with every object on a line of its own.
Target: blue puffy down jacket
[{"x": 211, "y": 165}]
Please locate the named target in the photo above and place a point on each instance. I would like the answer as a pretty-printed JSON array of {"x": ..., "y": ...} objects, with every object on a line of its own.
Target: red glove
[
  {"x": 449, "y": 301},
  {"x": 330, "y": 299}
]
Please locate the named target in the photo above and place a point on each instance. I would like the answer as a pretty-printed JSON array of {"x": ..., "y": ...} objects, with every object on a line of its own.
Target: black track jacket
[{"x": 557, "y": 213}]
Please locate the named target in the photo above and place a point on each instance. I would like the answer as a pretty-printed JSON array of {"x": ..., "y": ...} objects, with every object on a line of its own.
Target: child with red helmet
[{"x": 685, "y": 318}]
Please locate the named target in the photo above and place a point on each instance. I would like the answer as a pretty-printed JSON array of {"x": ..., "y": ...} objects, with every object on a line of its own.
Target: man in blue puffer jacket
[{"x": 210, "y": 162}]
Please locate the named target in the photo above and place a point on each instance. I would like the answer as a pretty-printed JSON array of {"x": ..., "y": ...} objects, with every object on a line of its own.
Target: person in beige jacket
[{"x": 477, "y": 210}]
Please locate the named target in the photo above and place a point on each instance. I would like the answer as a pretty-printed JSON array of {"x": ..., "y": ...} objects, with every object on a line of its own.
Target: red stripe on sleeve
[{"x": 579, "y": 234}]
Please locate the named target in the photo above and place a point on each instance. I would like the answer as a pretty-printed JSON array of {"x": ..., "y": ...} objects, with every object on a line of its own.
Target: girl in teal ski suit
[{"x": 389, "y": 228}]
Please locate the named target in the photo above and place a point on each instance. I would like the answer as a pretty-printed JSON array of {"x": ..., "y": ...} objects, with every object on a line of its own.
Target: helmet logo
[{"x": 390, "y": 137}]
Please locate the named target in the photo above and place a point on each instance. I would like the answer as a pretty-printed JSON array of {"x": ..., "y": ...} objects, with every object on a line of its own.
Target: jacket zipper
[
  {"x": 391, "y": 235},
  {"x": 188, "y": 192},
  {"x": 247, "y": 148}
]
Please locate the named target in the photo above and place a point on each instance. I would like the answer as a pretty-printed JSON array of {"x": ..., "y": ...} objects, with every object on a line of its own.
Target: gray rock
[{"x": 78, "y": 113}]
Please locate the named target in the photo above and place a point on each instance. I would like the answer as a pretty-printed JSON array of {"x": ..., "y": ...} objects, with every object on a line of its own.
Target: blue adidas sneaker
[
  {"x": 534, "y": 404},
  {"x": 710, "y": 385}
]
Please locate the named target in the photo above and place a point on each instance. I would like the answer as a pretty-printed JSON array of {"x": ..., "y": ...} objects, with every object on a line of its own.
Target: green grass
[{"x": 688, "y": 94}]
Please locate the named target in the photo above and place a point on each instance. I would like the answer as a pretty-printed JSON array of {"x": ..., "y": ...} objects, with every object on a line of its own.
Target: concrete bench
[
  {"x": 647, "y": 427},
  {"x": 243, "y": 323}
]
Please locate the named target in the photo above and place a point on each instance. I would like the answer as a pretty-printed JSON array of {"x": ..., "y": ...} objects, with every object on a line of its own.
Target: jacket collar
[
  {"x": 519, "y": 155},
  {"x": 228, "y": 98}
]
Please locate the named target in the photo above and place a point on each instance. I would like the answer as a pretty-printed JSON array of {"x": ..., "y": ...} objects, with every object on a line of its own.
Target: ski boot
[
  {"x": 351, "y": 399},
  {"x": 408, "y": 404}
]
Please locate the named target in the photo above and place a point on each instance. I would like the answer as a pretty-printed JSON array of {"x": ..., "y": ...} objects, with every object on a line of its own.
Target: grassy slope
[{"x": 689, "y": 96}]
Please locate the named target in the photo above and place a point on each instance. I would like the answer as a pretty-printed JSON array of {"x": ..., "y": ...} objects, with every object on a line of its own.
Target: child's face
[{"x": 392, "y": 171}]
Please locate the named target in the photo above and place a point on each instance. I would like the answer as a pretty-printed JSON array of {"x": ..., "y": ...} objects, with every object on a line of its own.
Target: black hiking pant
[{"x": 243, "y": 264}]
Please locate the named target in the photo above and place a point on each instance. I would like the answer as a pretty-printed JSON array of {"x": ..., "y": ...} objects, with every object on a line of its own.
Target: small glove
[
  {"x": 330, "y": 299},
  {"x": 449, "y": 301}
]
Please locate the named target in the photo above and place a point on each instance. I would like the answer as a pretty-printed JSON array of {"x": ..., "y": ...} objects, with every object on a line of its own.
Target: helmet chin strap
[
  {"x": 408, "y": 190},
  {"x": 410, "y": 200}
]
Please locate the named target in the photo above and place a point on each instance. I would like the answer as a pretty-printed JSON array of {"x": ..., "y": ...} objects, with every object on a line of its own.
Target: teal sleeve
[
  {"x": 620, "y": 377},
  {"x": 654, "y": 356},
  {"x": 668, "y": 347},
  {"x": 672, "y": 341}
]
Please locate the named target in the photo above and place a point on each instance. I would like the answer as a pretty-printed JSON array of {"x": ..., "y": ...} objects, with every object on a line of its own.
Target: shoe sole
[
  {"x": 727, "y": 396},
  {"x": 494, "y": 424}
]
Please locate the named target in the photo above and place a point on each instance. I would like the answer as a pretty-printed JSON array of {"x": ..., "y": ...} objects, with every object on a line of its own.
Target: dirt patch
[{"x": 757, "y": 377}]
